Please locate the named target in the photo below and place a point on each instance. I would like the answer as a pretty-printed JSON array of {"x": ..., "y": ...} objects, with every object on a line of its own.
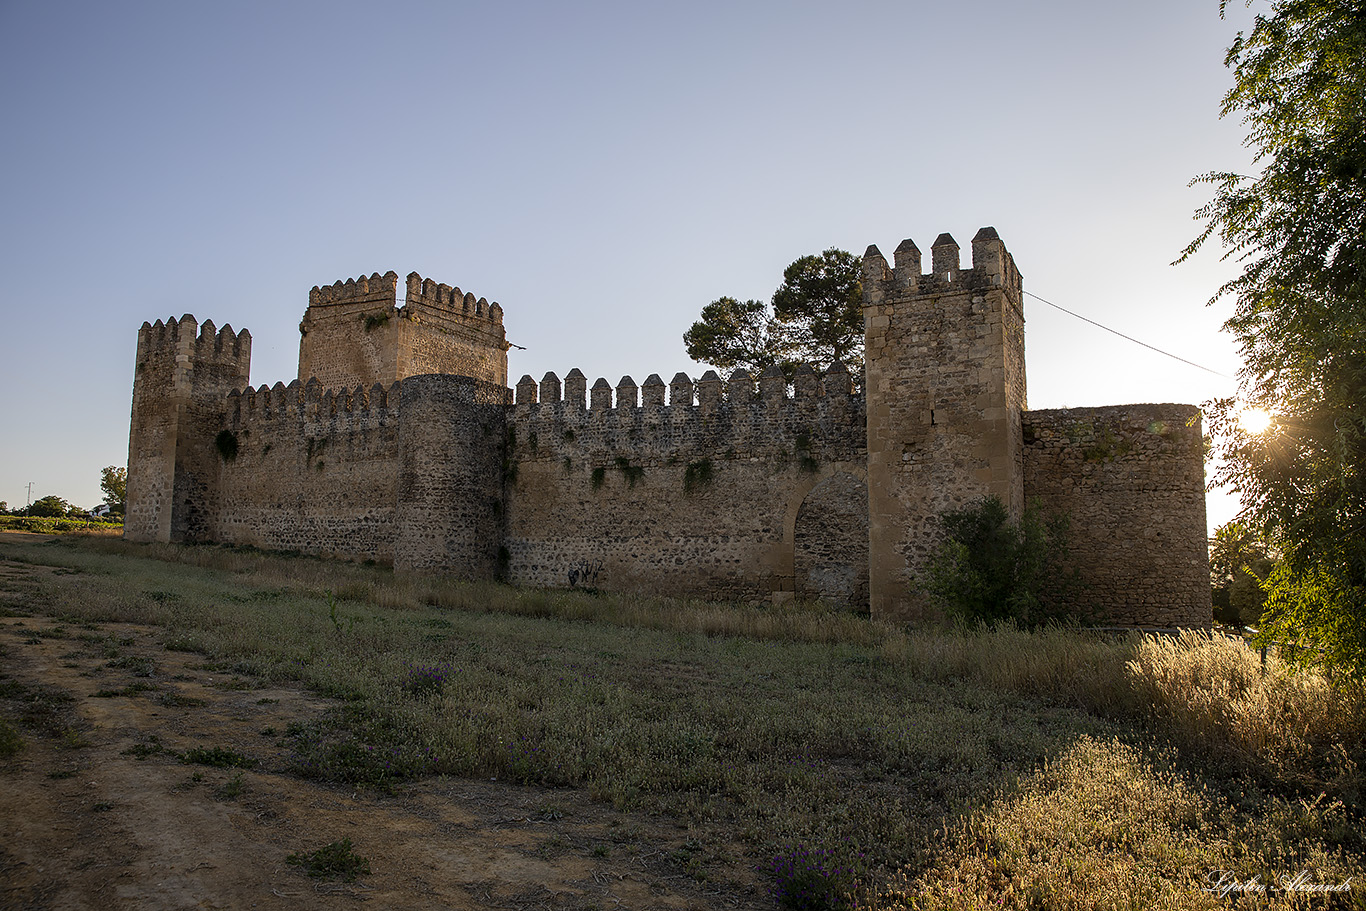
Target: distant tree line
[{"x": 113, "y": 484}]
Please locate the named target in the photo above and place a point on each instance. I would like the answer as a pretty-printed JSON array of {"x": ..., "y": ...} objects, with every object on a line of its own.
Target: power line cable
[{"x": 1129, "y": 338}]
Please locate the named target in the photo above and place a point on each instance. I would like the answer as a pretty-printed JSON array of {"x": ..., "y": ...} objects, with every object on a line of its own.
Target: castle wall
[
  {"x": 830, "y": 542},
  {"x": 313, "y": 472},
  {"x": 401, "y": 445},
  {"x": 1131, "y": 478},
  {"x": 699, "y": 497},
  {"x": 411, "y": 474},
  {"x": 449, "y": 513}
]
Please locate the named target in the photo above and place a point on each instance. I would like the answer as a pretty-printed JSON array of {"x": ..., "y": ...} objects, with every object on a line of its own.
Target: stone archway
[{"x": 830, "y": 543}]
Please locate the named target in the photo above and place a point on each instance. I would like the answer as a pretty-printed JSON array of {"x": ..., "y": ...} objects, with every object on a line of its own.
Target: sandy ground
[{"x": 85, "y": 823}]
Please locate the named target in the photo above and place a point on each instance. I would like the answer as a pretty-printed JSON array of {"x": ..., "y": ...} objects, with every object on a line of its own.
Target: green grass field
[{"x": 915, "y": 768}]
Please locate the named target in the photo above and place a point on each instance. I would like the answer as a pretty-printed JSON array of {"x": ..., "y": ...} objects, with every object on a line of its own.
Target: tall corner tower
[
  {"x": 945, "y": 381},
  {"x": 180, "y": 386}
]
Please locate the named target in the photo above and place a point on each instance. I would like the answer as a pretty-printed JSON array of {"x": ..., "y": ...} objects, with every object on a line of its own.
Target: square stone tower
[
  {"x": 355, "y": 334},
  {"x": 944, "y": 361},
  {"x": 181, "y": 382}
]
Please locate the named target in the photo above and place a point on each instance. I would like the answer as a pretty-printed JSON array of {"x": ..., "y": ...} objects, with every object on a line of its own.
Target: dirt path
[{"x": 97, "y": 810}]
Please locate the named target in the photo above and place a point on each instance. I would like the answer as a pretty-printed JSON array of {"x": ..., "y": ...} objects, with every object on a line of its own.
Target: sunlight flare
[{"x": 1254, "y": 420}]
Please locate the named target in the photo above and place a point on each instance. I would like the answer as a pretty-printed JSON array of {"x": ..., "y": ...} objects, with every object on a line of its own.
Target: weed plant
[
  {"x": 804, "y": 879},
  {"x": 230, "y": 789},
  {"x": 10, "y": 740},
  {"x": 1011, "y": 765},
  {"x": 427, "y": 679},
  {"x": 217, "y": 757},
  {"x": 337, "y": 860}
]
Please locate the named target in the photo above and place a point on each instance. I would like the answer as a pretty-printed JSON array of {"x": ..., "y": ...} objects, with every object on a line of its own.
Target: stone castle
[{"x": 401, "y": 442}]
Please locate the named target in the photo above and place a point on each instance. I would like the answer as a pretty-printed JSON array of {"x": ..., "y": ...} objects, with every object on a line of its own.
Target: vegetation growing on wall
[
  {"x": 1106, "y": 447},
  {"x": 696, "y": 475},
  {"x": 632, "y": 473}
]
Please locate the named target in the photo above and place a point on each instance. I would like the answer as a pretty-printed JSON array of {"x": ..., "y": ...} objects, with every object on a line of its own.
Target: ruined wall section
[
  {"x": 182, "y": 375},
  {"x": 444, "y": 330},
  {"x": 349, "y": 334},
  {"x": 698, "y": 496},
  {"x": 1131, "y": 479},
  {"x": 944, "y": 355},
  {"x": 312, "y": 471}
]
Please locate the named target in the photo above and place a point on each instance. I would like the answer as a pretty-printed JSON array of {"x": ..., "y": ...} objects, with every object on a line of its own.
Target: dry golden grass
[
  {"x": 1214, "y": 696},
  {"x": 1102, "y": 827}
]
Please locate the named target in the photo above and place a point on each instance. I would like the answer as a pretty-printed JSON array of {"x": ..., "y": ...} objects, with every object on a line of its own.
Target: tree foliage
[
  {"x": 114, "y": 483},
  {"x": 1239, "y": 563},
  {"x": 1299, "y": 230},
  {"x": 821, "y": 303},
  {"x": 990, "y": 569},
  {"x": 816, "y": 316},
  {"x": 733, "y": 334}
]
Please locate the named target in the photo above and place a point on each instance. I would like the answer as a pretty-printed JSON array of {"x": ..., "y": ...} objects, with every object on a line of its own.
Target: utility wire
[{"x": 1129, "y": 338}]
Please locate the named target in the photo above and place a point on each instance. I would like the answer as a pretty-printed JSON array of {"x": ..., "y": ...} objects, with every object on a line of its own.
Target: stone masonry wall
[
  {"x": 410, "y": 475},
  {"x": 1131, "y": 477},
  {"x": 698, "y": 497},
  {"x": 314, "y": 472},
  {"x": 450, "y": 497}
]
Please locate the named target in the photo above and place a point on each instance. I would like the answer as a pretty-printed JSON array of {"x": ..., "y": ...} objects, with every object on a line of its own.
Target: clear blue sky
[{"x": 603, "y": 170}]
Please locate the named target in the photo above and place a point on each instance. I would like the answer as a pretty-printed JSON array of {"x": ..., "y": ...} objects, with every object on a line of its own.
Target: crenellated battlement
[
  {"x": 309, "y": 402},
  {"x": 182, "y": 358},
  {"x": 423, "y": 293},
  {"x": 992, "y": 267},
  {"x": 814, "y": 418},
  {"x": 355, "y": 332},
  {"x": 773, "y": 387},
  {"x": 187, "y": 336},
  {"x": 372, "y": 289}
]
